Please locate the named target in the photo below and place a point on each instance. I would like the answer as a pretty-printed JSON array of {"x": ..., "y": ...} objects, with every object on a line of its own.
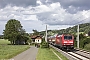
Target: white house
[{"x": 38, "y": 40}]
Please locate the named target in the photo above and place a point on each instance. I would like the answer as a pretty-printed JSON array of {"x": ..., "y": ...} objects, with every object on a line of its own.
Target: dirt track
[{"x": 29, "y": 54}]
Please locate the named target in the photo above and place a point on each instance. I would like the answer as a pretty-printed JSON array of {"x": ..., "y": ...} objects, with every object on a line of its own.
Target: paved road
[{"x": 29, "y": 54}]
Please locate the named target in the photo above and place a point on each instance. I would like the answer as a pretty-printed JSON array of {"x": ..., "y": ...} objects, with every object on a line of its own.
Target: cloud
[
  {"x": 50, "y": 12},
  {"x": 21, "y": 3},
  {"x": 79, "y": 5},
  {"x": 2, "y": 26},
  {"x": 32, "y": 24},
  {"x": 57, "y": 15},
  {"x": 15, "y": 12}
]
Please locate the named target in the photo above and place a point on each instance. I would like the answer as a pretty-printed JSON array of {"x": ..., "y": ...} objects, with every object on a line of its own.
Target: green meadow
[
  {"x": 3, "y": 41},
  {"x": 9, "y": 51},
  {"x": 47, "y": 54}
]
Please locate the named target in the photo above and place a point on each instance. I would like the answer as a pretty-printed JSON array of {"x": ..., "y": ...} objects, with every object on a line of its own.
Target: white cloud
[
  {"x": 57, "y": 15},
  {"x": 51, "y": 14},
  {"x": 39, "y": 2},
  {"x": 31, "y": 17}
]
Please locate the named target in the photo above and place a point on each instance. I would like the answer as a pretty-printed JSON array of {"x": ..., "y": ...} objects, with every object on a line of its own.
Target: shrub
[
  {"x": 87, "y": 46},
  {"x": 44, "y": 45},
  {"x": 84, "y": 41}
]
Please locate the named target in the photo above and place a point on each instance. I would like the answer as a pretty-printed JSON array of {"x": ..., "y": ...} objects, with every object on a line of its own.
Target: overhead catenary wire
[{"x": 79, "y": 18}]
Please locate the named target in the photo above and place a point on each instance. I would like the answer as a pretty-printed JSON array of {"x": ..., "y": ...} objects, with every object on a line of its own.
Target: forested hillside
[{"x": 84, "y": 28}]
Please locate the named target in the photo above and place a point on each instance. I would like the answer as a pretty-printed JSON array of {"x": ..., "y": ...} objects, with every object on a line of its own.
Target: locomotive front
[{"x": 68, "y": 42}]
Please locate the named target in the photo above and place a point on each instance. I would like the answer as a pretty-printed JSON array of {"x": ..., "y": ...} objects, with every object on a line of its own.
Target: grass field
[
  {"x": 3, "y": 41},
  {"x": 47, "y": 54},
  {"x": 9, "y": 51}
]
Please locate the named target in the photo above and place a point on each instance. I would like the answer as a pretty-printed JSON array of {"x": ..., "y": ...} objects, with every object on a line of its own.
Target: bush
[
  {"x": 84, "y": 41},
  {"x": 44, "y": 45},
  {"x": 87, "y": 46}
]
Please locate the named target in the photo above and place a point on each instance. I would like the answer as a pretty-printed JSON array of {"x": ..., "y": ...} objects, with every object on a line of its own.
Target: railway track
[
  {"x": 84, "y": 51},
  {"x": 78, "y": 56},
  {"x": 74, "y": 55}
]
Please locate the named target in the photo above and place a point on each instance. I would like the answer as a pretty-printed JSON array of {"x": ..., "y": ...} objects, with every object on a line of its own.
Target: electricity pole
[
  {"x": 46, "y": 34},
  {"x": 78, "y": 37}
]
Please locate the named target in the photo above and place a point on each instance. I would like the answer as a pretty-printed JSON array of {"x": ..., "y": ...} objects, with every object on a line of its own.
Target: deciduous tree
[{"x": 13, "y": 30}]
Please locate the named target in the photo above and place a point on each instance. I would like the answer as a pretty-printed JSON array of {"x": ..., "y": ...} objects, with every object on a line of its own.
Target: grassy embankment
[
  {"x": 87, "y": 47},
  {"x": 4, "y": 42},
  {"x": 47, "y": 54},
  {"x": 9, "y": 51}
]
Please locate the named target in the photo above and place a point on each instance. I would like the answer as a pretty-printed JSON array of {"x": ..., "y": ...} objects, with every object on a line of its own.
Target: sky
[{"x": 36, "y": 14}]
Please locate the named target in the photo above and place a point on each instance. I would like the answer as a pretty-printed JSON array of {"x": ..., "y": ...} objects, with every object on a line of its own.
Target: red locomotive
[{"x": 64, "y": 41}]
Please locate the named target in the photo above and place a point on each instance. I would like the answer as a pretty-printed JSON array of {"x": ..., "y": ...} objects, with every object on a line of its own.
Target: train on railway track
[{"x": 64, "y": 41}]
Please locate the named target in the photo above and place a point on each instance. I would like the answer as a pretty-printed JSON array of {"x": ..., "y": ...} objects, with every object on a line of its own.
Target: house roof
[
  {"x": 34, "y": 37},
  {"x": 38, "y": 38}
]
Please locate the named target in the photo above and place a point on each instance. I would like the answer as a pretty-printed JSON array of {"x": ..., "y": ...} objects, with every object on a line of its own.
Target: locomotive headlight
[
  {"x": 70, "y": 42},
  {"x": 65, "y": 42}
]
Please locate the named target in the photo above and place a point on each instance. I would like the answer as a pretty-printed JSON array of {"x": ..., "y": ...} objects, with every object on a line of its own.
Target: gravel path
[{"x": 29, "y": 54}]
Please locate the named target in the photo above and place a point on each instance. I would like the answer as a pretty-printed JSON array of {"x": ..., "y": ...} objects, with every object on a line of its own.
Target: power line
[{"x": 81, "y": 20}]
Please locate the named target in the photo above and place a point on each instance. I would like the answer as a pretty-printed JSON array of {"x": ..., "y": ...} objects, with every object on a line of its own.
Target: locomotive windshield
[{"x": 67, "y": 37}]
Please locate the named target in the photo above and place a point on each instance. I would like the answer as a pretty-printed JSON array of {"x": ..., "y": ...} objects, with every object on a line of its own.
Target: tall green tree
[
  {"x": 13, "y": 29},
  {"x": 35, "y": 32}
]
